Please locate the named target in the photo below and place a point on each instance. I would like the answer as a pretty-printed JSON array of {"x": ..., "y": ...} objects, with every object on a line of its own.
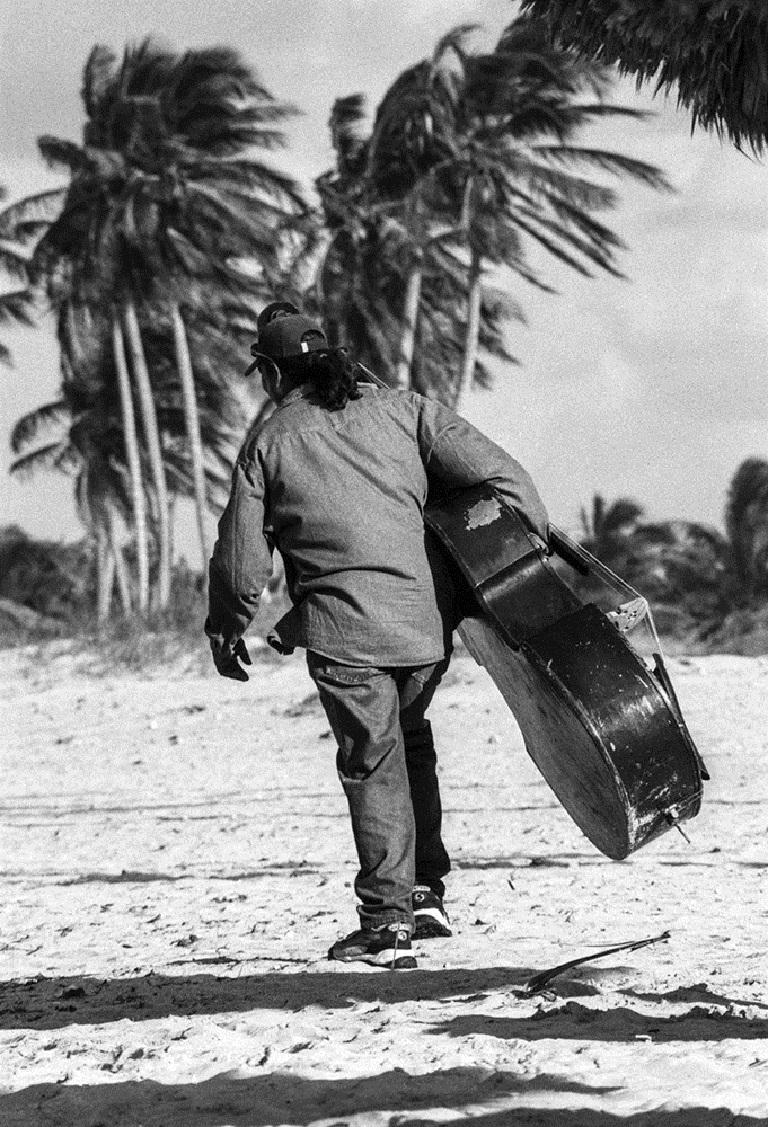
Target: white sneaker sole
[
  {"x": 391, "y": 960},
  {"x": 388, "y": 958},
  {"x": 429, "y": 923}
]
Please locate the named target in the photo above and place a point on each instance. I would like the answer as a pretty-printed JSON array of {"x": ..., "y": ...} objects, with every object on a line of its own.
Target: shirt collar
[{"x": 300, "y": 392}]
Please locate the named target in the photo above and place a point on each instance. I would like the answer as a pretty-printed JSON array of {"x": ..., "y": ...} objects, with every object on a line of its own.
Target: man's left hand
[{"x": 227, "y": 656}]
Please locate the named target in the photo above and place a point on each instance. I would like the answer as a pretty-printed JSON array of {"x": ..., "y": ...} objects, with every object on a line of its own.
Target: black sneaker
[
  {"x": 429, "y": 916},
  {"x": 385, "y": 946}
]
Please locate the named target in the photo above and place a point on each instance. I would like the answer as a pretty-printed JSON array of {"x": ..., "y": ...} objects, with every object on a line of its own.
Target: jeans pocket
[
  {"x": 424, "y": 674},
  {"x": 348, "y": 674},
  {"x": 421, "y": 676},
  {"x": 336, "y": 673}
]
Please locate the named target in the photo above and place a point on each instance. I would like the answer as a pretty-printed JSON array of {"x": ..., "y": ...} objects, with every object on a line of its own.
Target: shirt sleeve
[
  {"x": 241, "y": 563},
  {"x": 457, "y": 455}
]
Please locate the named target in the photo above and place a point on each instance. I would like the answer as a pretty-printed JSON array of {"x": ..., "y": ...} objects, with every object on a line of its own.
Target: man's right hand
[{"x": 227, "y": 656}]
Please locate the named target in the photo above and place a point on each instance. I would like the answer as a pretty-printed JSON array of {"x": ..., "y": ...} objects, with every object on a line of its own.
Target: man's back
[
  {"x": 341, "y": 494},
  {"x": 344, "y": 504}
]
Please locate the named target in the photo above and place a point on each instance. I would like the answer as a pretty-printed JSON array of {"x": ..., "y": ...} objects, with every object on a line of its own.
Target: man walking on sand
[{"x": 337, "y": 479}]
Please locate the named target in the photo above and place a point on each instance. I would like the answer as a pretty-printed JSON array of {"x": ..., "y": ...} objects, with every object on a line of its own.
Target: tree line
[
  {"x": 702, "y": 583},
  {"x": 695, "y": 575},
  {"x": 177, "y": 223}
]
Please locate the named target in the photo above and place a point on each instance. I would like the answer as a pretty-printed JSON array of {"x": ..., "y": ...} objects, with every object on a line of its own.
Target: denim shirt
[{"x": 341, "y": 494}]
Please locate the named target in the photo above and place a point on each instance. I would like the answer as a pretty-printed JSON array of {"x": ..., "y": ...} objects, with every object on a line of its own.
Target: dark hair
[{"x": 332, "y": 374}]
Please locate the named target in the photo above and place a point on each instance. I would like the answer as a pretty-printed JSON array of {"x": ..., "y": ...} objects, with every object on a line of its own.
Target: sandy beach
[{"x": 177, "y": 858}]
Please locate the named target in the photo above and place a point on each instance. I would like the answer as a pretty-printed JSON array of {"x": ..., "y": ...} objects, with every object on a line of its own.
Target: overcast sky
[{"x": 652, "y": 387}]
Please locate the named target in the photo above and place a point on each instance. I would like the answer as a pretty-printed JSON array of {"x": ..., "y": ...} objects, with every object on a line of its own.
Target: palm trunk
[
  {"x": 134, "y": 463},
  {"x": 172, "y": 528},
  {"x": 192, "y": 420},
  {"x": 105, "y": 568},
  {"x": 472, "y": 335},
  {"x": 152, "y": 435},
  {"x": 410, "y": 317},
  {"x": 121, "y": 571}
]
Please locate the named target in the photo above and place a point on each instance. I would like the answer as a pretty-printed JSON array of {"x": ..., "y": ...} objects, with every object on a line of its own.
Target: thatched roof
[{"x": 714, "y": 51}]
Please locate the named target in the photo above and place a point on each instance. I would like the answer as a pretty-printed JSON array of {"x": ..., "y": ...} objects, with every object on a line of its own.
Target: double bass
[{"x": 602, "y": 724}]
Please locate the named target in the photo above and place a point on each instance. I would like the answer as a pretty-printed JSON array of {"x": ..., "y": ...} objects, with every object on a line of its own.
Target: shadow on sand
[
  {"x": 586, "y": 1117},
  {"x": 51, "y": 1003},
  {"x": 574, "y": 1021},
  {"x": 396, "y": 1096}
]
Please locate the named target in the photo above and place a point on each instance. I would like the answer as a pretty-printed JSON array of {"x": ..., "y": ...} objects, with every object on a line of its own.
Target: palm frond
[
  {"x": 746, "y": 518},
  {"x": 53, "y": 456},
  {"x": 347, "y": 136},
  {"x": 97, "y": 76},
  {"x": 13, "y": 261},
  {"x": 29, "y": 426},
  {"x": 16, "y": 307},
  {"x": 30, "y": 216},
  {"x": 620, "y": 514},
  {"x": 616, "y": 163},
  {"x": 712, "y": 51},
  {"x": 60, "y": 153}
]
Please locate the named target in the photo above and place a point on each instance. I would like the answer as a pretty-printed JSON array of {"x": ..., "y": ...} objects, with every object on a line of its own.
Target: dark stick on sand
[{"x": 539, "y": 981}]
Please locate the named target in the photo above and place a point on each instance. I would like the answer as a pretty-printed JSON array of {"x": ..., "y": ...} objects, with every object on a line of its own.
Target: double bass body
[{"x": 604, "y": 729}]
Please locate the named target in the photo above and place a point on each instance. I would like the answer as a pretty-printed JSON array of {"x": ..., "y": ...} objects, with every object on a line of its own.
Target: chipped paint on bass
[{"x": 482, "y": 513}]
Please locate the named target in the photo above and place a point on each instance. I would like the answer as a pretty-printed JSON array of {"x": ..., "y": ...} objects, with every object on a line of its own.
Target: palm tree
[
  {"x": 88, "y": 444},
  {"x": 88, "y": 447},
  {"x": 78, "y": 261},
  {"x": 515, "y": 175},
  {"x": 200, "y": 197},
  {"x": 371, "y": 206},
  {"x": 466, "y": 167},
  {"x": 607, "y": 527},
  {"x": 713, "y": 52},
  {"x": 161, "y": 201},
  {"x": 746, "y": 523},
  {"x": 23, "y": 222},
  {"x": 691, "y": 570},
  {"x": 413, "y": 133},
  {"x": 679, "y": 564},
  {"x": 377, "y": 209},
  {"x": 361, "y": 245},
  {"x": 360, "y": 290}
]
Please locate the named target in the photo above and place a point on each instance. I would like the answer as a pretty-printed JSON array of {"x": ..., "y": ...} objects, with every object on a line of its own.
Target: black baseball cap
[{"x": 285, "y": 333}]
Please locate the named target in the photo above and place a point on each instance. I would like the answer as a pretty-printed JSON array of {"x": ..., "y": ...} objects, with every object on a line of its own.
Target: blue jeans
[{"x": 387, "y": 766}]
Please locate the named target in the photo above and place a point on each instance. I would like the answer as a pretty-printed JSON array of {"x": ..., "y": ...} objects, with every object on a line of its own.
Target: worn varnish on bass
[{"x": 604, "y": 729}]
